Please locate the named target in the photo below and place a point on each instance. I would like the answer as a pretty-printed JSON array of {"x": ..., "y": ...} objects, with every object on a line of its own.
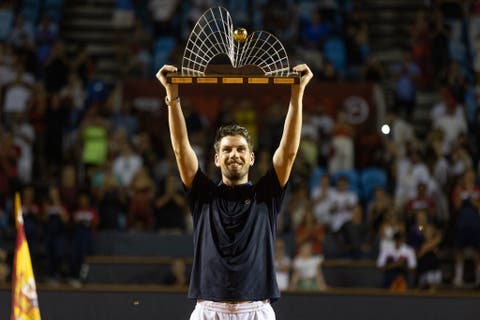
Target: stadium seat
[
  {"x": 317, "y": 173},
  {"x": 162, "y": 50},
  {"x": 31, "y": 11},
  {"x": 334, "y": 50},
  {"x": 6, "y": 21},
  {"x": 54, "y": 9},
  {"x": 370, "y": 179}
]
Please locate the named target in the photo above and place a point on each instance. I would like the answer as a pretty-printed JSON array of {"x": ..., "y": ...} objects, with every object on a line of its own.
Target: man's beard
[{"x": 234, "y": 175}]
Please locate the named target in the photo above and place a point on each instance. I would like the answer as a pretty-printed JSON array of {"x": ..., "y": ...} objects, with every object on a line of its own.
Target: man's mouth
[{"x": 234, "y": 165}]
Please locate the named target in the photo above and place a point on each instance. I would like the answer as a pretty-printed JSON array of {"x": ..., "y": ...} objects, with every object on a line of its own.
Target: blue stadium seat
[
  {"x": 6, "y": 22},
  {"x": 31, "y": 11},
  {"x": 162, "y": 51},
  {"x": 335, "y": 51},
  {"x": 54, "y": 9},
  {"x": 317, "y": 173},
  {"x": 370, "y": 179}
]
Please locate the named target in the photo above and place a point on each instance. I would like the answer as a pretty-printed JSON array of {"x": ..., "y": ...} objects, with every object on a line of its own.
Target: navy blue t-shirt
[{"x": 234, "y": 235}]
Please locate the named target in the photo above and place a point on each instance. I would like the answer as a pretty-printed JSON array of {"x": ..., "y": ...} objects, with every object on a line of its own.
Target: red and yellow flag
[{"x": 24, "y": 292}]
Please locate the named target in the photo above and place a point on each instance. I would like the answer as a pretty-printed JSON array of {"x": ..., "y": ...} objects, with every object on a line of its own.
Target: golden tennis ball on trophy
[{"x": 240, "y": 34}]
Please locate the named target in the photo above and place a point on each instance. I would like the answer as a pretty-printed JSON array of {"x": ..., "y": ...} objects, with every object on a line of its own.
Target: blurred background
[{"x": 389, "y": 156}]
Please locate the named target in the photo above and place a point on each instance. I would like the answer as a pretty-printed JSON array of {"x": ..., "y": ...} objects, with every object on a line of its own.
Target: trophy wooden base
[{"x": 181, "y": 79}]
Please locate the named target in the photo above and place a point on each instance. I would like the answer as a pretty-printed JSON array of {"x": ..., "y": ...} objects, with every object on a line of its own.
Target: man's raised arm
[
  {"x": 187, "y": 161},
  {"x": 284, "y": 156}
]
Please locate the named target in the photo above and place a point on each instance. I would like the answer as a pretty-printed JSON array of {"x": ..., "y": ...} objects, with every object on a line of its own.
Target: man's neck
[{"x": 233, "y": 183}]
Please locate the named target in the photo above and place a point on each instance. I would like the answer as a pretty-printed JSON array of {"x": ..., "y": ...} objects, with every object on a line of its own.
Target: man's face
[{"x": 234, "y": 159}]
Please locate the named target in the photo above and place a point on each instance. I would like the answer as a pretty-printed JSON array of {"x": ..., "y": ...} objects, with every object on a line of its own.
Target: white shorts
[{"x": 211, "y": 310}]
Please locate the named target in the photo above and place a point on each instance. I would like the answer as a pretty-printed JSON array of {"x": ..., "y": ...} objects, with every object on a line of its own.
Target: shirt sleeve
[
  {"x": 382, "y": 258},
  {"x": 202, "y": 189},
  {"x": 411, "y": 259},
  {"x": 270, "y": 188}
]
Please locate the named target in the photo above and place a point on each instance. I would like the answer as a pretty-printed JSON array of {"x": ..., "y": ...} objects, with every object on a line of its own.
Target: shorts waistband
[{"x": 234, "y": 306}]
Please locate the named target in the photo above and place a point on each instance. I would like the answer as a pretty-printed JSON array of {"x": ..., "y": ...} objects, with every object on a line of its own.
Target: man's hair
[{"x": 232, "y": 130}]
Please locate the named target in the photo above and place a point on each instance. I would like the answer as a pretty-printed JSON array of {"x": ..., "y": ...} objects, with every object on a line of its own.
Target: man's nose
[{"x": 234, "y": 153}]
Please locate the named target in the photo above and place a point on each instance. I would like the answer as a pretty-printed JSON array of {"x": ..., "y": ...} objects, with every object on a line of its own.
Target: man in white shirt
[
  {"x": 397, "y": 261},
  {"x": 343, "y": 203}
]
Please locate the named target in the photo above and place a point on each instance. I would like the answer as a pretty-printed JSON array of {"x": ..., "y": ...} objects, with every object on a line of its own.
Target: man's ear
[
  {"x": 216, "y": 160},
  {"x": 252, "y": 158}
]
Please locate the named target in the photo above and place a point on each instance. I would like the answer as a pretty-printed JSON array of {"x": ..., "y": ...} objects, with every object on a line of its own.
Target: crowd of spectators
[{"x": 86, "y": 160}]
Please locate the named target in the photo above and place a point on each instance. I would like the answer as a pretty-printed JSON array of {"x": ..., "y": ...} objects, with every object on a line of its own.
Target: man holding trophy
[{"x": 233, "y": 275}]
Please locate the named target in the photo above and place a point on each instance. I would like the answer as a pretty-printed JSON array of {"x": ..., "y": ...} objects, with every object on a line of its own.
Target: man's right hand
[{"x": 172, "y": 89}]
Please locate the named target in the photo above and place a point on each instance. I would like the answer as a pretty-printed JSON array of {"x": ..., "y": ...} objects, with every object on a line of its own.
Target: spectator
[
  {"x": 140, "y": 213},
  {"x": 440, "y": 53},
  {"x": 24, "y": 137},
  {"x": 94, "y": 136},
  {"x": 461, "y": 160},
  {"x": 56, "y": 219},
  {"x": 85, "y": 220},
  {"x": 83, "y": 65},
  {"x": 56, "y": 116},
  {"x": 21, "y": 29},
  {"x": 37, "y": 117},
  {"x": 355, "y": 236},
  {"x": 6, "y": 18},
  {"x": 392, "y": 224},
  {"x": 111, "y": 200},
  {"x": 421, "y": 202},
  {"x": 373, "y": 70},
  {"x": 322, "y": 197},
  {"x": 7, "y": 72},
  {"x": 25, "y": 53},
  {"x": 378, "y": 212},
  {"x": 307, "y": 273},
  {"x": 343, "y": 205},
  {"x": 32, "y": 222},
  {"x": 329, "y": 73},
  {"x": 455, "y": 81},
  {"x": 9, "y": 154},
  {"x": 466, "y": 201},
  {"x": 177, "y": 276},
  {"x": 56, "y": 68},
  {"x": 15, "y": 98},
  {"x": 410, "y": 171},
  {"x": 123, "y": 15},
  {"x": 402, "y": 132},
  {"x": 428, "y": 273},
  {"x": 297, "y": 205},
  {"x": 309, "y": 230},
  {"x": 45, "y": 36},
  {"x": 170, "y": 208},
  {"x": 451, "y": 124},
  {"x": 315, "y": 30},
  {"x": 397, "y": 262},
  {"x": 126, "y": 165},
  {"x": 406, "y": 75},
  {"x": 73, "y": 95},
  {"x": 343, "y": 155},
  {"x": 283, "y": 265},
  {"x": 69, "y": 187},
  {"x": 420, "y": 38}
]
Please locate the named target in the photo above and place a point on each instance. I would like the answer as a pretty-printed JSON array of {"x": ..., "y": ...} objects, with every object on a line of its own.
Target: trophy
[{"x": 216, "y": 53}]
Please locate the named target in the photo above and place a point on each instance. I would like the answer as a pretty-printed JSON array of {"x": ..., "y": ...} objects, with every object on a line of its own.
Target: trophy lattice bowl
[{"x": 257, "y": 58}]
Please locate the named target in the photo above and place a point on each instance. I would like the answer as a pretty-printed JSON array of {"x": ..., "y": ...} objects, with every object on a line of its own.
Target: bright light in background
[{"x": 385, "y": 129}]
